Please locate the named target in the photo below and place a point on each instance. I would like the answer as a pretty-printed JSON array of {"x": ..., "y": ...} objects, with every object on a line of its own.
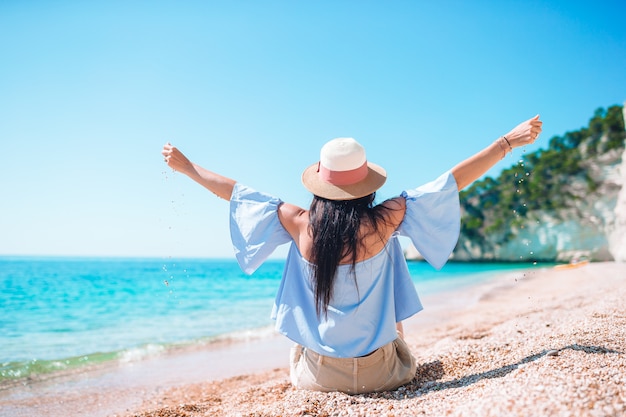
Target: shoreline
[
  {"x": 116, "y": 387},
  {"x": 478, "y": 338}
]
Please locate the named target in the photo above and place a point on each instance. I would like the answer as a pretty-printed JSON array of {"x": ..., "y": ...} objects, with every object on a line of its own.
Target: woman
[{"x": 346, "y": 287}]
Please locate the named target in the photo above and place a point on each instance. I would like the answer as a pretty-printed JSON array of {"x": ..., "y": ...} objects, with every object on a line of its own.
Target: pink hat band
[
  {"x": 342, "y": 177},
  {"x": 343, "y": 172}
]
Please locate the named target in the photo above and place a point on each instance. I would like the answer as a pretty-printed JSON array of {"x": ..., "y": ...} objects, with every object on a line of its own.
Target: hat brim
[{"x": 376, "y": 177}]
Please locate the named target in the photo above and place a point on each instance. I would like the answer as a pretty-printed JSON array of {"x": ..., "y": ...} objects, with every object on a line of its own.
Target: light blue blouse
[{"x": 362, "y": 313}]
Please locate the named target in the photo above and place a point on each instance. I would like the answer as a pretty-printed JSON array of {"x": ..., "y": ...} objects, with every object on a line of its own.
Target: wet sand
[{"x": 544, "y": 343}]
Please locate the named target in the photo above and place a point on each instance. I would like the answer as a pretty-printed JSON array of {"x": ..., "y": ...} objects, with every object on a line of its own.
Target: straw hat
[{"x": 343, "y": 172}]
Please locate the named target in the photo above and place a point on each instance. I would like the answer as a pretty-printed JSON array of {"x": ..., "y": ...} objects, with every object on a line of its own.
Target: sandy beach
[{"x": 542, "y": 343}]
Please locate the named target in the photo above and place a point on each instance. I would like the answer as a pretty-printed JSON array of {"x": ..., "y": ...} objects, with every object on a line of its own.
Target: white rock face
[
  {"x": 560, "y": 239},
  {"x": 617, "y": 236}
]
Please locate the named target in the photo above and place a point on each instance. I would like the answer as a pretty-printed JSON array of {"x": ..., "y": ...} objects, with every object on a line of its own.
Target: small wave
[
  {"x": 249, "y": 334},
  {"x": 12, "y": 373},
  {"x": 24, "y": 372},
  {"x": 141, "y": 353}
]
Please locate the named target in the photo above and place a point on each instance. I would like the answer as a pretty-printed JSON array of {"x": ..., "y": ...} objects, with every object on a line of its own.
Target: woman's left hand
[{"x": 525, "y": 133}]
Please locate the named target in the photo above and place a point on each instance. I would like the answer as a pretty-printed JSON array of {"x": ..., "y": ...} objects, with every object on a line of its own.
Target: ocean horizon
[{"x": 68, "y": 313}]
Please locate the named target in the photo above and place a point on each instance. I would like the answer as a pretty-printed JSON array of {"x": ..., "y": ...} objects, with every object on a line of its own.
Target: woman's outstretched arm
[
  {"x": 475, "y": 166},
  {"x": 217, "y": 184}
]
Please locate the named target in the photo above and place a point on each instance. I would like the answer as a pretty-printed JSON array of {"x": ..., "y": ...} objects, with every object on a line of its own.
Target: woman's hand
[
  {"x": 217, "y": 184},
  {"x": 475, "y": 166},
  {"x": 524, "y": 133},
  {"x": 176, "y": 160}
]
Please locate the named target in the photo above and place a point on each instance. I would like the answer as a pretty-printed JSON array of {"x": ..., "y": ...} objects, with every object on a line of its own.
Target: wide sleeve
[
  {"x": 255, "y": 229},
  {"x": 433, "y": 219}
]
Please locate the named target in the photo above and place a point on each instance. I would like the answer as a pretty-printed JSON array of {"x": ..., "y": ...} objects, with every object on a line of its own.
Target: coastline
[
  {"x": 539, "y": 342},
  {"x": 117, "y": 387}
]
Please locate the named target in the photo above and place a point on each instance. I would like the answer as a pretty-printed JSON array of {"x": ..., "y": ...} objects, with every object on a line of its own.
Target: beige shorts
[{"x": 385, "y": 369}]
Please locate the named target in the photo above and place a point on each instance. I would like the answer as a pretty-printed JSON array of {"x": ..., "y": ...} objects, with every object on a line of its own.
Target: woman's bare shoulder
[
  {"x": 395, "y": 203},
  {"x": 291, "y": 211},
  {"x": 292, "y": 217},
  {"x": 394, "y": 209},
  {"x": 296, "y": 221}
]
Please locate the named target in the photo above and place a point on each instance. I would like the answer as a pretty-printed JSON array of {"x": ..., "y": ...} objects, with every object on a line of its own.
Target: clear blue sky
[{"x": 90, "y": 91}]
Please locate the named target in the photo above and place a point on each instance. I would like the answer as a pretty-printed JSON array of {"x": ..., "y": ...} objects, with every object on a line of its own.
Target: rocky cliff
[
  {"x": 617, "y": 236},
  {"x": 585, "y": 228},
  {"x": 566, "y": 203}
]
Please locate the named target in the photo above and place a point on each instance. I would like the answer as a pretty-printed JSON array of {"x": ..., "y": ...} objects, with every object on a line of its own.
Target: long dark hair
[{"x": 335, "y": 228}]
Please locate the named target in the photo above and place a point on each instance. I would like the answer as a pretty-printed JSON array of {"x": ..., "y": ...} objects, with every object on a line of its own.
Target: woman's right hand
[
  {"x": 176, "y": 160},
  {"x": 217, "y": 184}
]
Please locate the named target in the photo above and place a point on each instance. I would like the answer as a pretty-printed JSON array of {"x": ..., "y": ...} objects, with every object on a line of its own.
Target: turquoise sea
[{"x": 66, "y": 313}]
